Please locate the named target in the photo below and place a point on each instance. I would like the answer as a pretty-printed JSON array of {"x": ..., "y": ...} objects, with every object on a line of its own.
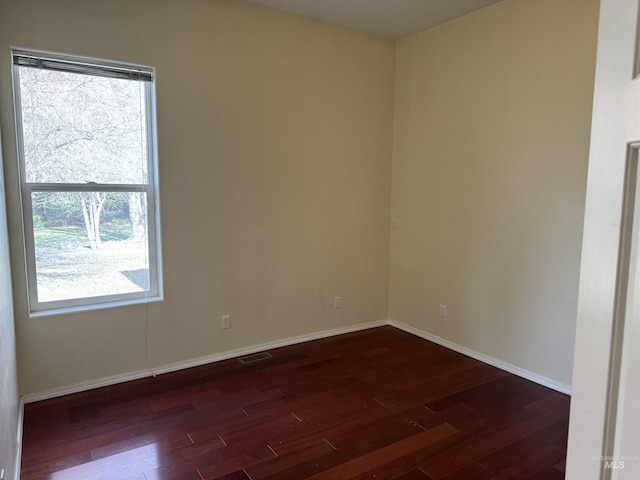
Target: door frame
[{"x": 606, "y": 305}]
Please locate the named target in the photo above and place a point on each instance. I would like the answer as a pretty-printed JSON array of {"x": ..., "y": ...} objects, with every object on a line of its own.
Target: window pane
[
  {"x": 82, "y": 128},
  {"x": 90, "y": 244}
]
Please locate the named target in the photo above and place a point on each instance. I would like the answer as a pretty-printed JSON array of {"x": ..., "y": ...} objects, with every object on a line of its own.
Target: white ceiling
[{"x": 390, "y": 18}]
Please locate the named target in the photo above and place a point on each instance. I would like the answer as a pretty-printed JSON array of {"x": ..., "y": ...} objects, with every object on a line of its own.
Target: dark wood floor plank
[
  {"x": 405, "y": 378},
  {"x": 472, "y": 471},
  {"x": 308, "y": 433},
  {"x": 444, "y": 385},
  {"x": 546, "y": 474},
  {"x": 61, "y": 464},
  {"x": 550, "y": 401},
  {"x": 175, "y": 471},
  {"x": 35, "y": 456},
  {"x": 502, "y": 394},
  {"x": 553, "y": 435},
  {"x": 531, "y": 466},
  {"x": 239, "y": 475},
  {"x": 412, "y": 475},
  {"x": 379, "y": 402},
  {"x": 377, "y": 458},
  {"x": 300, "y": 462},
  {"x": 491, "y": 442},
  {"x": 369, "y": 436}
]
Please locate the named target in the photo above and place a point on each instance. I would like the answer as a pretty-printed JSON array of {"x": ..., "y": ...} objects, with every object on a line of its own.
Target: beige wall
[
  {"x": 8, "y": 370},
  {"x": 491, "y": 140},
  {"x": 275, "y": 139}
]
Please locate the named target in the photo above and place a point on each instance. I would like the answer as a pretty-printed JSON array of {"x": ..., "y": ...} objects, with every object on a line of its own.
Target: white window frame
[{"x": 90, "y": 66}]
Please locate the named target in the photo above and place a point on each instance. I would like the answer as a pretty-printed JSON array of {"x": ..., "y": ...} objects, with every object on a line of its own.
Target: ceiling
[{"x": 389, "y": 18}]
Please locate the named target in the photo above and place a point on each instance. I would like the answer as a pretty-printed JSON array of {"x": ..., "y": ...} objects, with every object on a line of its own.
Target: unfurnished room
[{"x": 319, "y": 239}]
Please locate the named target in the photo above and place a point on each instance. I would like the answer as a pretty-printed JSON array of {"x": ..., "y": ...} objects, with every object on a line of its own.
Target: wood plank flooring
[{"x": 380, "y": 404}]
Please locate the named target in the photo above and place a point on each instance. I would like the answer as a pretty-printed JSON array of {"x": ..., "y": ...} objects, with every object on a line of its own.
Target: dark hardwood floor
[{"x": 380, "y": 404}]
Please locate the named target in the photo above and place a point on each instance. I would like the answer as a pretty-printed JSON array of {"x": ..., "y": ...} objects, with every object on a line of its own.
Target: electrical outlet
[
  {"x": 338, "y": 302},
  {"x": 226, "y": 322},
  {"x": 443, "y": 311}
]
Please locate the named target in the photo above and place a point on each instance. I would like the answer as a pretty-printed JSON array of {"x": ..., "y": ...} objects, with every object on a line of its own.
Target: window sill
[{"x": 95, "y": 306}]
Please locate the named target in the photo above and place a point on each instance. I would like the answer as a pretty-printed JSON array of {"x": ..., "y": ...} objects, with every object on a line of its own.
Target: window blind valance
[{"x": 101, "y": 69}]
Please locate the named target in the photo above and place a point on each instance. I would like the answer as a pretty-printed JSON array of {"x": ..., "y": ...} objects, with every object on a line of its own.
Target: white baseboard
[
  {"x": 521, "y": 372},
  {"x": 83, "y": 386},
  {"x": 19, "y": 440},
  {"x": 195, "y": 362},
  {"x": 172, "y": 367},
  {"x": 241, "y": 352}
]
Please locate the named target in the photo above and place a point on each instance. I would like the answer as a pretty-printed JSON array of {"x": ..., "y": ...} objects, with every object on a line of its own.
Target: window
[{"x": 86, "y": 142}]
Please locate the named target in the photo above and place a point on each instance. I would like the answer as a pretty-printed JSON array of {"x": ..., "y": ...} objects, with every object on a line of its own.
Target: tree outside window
[{"x": 88, "y": 181}]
